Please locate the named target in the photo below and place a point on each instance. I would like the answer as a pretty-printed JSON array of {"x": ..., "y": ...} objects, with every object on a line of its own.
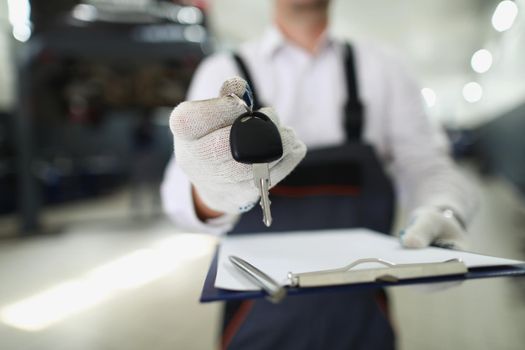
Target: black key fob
[{"x": 254, "y": 139}]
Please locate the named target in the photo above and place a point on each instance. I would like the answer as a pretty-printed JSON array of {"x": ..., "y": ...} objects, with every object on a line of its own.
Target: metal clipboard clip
[{"x": 390, "y": 273}]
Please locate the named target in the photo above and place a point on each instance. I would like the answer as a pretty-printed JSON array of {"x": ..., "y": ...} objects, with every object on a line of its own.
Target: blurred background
[{"x": 87, "y": 259}]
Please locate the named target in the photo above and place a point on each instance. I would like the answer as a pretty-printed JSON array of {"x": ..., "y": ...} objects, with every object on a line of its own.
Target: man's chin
[{"x": 309, "y": 5}]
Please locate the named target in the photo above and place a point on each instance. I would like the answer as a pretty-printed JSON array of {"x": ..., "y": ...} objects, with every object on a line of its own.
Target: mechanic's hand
[
  {"x": 201, "y": 131},
  {"x": 430, "y": 226}
]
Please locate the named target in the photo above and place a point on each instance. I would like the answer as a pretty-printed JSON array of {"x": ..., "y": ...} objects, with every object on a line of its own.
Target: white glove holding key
[{"x": 201, "y": 131}]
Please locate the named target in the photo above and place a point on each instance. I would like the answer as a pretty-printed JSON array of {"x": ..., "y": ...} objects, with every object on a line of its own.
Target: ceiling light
[
  {"x": 20, "y": 18},
  {"x": 472, "y": 92},
  {"x": 481, "y": 61},
  {"x": 504, "y": 15},
  {"x": 189, "y": 15},
  {"x": 86, "y": 13}
]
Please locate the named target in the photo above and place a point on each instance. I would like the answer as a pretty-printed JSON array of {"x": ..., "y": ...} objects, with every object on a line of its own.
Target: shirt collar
[{"x": 273, "y": 40}]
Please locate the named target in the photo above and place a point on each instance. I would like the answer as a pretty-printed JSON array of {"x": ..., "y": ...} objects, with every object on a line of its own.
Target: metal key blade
[
  {"x": 265, "y": 203},
  {"x": 261, "y": 177}
]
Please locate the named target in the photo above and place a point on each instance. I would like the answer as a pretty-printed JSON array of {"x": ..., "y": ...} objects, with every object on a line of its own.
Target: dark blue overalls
[{"x": 337, "y": 187}]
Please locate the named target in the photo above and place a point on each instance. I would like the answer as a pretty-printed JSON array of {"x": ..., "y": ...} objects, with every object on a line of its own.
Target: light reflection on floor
[{"x": 133, "y": 270}]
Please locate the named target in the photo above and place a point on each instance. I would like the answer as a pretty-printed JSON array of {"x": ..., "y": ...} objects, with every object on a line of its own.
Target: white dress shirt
[{"x": 308, "y": 91}]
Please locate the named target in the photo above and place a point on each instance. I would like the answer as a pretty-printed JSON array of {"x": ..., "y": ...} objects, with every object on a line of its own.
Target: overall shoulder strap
[
  {"x": 354, "y": 111},
  {"x": 244, "y": 71}
]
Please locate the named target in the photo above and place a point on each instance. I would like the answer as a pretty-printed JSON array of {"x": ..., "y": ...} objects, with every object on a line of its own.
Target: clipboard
[{"x": 344, "y": 279}]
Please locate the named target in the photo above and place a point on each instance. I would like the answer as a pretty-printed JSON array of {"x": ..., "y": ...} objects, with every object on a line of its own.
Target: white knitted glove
[
  {"x": 201, "y": 131},
  {"x": 430, "y": 225}
]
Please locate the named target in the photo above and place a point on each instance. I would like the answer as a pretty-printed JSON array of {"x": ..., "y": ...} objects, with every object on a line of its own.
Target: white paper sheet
[{"x": 279, "y": 253}]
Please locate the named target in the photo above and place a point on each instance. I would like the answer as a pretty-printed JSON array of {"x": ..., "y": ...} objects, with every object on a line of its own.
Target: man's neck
[{"x": 306, "y": 32}]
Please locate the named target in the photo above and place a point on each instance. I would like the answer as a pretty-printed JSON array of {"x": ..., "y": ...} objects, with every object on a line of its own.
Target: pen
[{"x": 275, "y": 291}]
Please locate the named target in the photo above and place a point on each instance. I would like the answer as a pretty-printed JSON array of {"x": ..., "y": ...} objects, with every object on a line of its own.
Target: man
[{"x": 335, "y": 100}]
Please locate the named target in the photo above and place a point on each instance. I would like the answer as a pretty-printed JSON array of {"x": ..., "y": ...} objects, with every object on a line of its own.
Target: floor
[{"x": 107, "y": 279}]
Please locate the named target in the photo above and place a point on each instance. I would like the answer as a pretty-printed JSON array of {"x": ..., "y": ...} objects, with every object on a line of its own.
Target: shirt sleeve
[
  {"x": 177, "y": 202},
  {"x": 423, "y": 171},
  {"x": 176, "y": 195}
]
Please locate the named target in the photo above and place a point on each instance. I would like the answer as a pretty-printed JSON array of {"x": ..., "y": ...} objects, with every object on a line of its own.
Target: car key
[{"x": 255, "y": 140}]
